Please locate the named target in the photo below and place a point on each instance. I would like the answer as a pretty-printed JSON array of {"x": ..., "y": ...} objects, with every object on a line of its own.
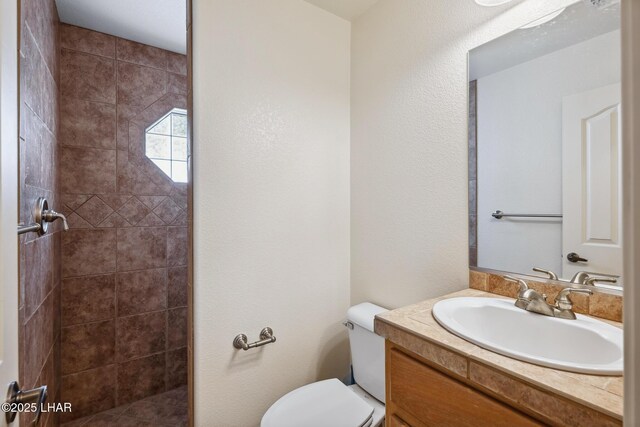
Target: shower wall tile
[
  {"x": 124, "y": 261},
  {"x": 141, "y": 335},
  {"x": 88, "y": 77},
  {"x": 88, "y": 170},
  {"x": 39, "y": 256},
  {"x": 39, "y": 337},
  {"x": 177, "y": 84},
  {"x": 90, "y": 391},
  {"x": 176, "y": 368},
  {"x": 149, "y": 374},
  {"x": 94, "y": 211},
  {"x": 88, "y": 299},
  {"x": 87, "y": 346},
  {"x": 141, "y": 54},
  {"x": 42, "y": 19},
  {"x": 141, "y": 248},
  {"x": 177, "y": 332},
  {"x": 177, "y": 63},
  {"x": 88, "y": 252},
  {"x": 142, "y": 291},
  {"x": 177, "y": 246},
  {"x": 87, "y": 124},
  {"x": 38, "y": 269},
  {"x": 87, "y": 41},
  {"x": 177, "y": 287},
  {"x": 140, "y": 86}
]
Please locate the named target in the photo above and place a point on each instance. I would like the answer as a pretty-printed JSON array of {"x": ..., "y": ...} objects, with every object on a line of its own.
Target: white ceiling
[
  {"x": 579, "y": 22},
  {"x": 347, "y": 9},
  {"x": 160, "y": 23}
]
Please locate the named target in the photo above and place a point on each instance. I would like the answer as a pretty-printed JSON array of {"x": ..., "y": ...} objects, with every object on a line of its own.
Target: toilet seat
[{"x": 320, "y": 404}]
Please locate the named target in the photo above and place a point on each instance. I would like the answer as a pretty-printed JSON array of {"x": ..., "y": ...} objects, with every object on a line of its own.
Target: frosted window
[{"x": 166, "y": 144}]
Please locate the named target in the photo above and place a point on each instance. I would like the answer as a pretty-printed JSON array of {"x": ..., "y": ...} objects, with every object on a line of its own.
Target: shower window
[{"x": 166, "y": 144}]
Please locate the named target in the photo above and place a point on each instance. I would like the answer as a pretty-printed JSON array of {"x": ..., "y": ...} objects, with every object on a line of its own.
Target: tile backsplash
[{"x": 600, "y": 304}]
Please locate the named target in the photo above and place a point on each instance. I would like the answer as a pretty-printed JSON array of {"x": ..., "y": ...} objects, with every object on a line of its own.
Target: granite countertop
[{"x": 413, "y": 326}]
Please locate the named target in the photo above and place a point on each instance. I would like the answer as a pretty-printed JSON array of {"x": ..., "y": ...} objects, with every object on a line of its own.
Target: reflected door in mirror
[{"x": 591, "y": 166}]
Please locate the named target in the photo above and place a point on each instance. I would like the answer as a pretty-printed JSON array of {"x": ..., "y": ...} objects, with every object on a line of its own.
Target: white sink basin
[{"x": 584, "y": 345}]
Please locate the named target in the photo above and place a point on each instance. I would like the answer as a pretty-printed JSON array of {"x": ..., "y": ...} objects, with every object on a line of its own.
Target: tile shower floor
[{"x": 166, "y": 409}]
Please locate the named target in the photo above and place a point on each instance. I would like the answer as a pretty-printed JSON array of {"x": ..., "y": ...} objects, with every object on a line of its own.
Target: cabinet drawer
[{"x": 433, "y": 398}]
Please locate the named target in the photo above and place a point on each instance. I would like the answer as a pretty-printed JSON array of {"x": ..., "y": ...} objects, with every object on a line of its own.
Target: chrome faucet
[
  {"x": 51, "y": 215},
  {"x": 564, "y": 306},
  {"x": 530, "y": 300},
  {"x": 551, "y": 274},
  {"x": 579, "y": 277},
  {"x": 590, "y": 279}
]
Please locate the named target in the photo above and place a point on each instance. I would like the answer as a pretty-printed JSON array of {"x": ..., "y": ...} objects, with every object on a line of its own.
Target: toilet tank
[{"x": 367, "y": 349}]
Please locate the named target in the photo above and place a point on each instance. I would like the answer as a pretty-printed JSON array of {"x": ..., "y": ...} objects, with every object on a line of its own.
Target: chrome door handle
[
  {"x": 16, "y": 396},
  {"x": 574, "y": 257}
]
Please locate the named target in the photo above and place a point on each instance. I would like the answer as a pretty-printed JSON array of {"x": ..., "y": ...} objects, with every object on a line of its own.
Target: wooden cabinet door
[{"x": 431, "y": 398}]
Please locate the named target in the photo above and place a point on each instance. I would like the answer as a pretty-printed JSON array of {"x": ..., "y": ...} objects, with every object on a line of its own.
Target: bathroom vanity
[{"x": 433, "y": 377}]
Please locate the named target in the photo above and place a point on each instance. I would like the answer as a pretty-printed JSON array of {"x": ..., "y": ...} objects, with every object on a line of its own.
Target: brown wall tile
[
  {"x": 133, "y": 211},
  {"x": 140, "y": 335},
  {"x": 142, "y": 248},
  {"x": 177, "y": 63},
  {"x": 87, "y": 41},
  {"x": 142, "y": 291},
  {"x": 39, "y": 257},
  {"x": 88, "y": 170},
  {"x": 86, "y": 252},
  {"x": 142, "y": 54},
  {"x": 39, "y": 337},
  {"x": 176, "y": 368},
  {"x": 42, "y": 19},
  {"x": 116, "y": 192},
  {"x": 168, "y": 210},
  {"x": 177, "y": 328},
  {"x": 149, "y": 373},
  {"x": 87, "y": 124},
  {"x": 177, "y": 287},
  {"x": 177, "y": 246},
  {"x": 90, "y": 391},
  {"x": 88, "y": 299},
  {"x": 140, "y": 86},
  {"x": 177, "y": 84},
  {"x": 38, "y": 269},
  {"x": 87, "y": 77},
  {"x": 94, "y": 211},
  {"x": 86, "y": 346}
]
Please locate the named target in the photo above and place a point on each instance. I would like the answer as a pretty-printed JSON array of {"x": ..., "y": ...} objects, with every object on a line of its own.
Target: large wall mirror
[{"x": 545, "y": 148}]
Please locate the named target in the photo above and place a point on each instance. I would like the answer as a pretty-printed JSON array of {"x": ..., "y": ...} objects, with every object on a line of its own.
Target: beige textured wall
[
  {"x": 409, "y": 142},
  {"x": 271, "y": 202}
]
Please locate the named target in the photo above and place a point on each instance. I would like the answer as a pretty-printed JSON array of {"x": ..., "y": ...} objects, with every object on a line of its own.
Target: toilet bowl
[{"x": 330, "y": 402}]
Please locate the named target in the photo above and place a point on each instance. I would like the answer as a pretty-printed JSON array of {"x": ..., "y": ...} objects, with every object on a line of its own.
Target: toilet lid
[{"x": 320, "y": 404}]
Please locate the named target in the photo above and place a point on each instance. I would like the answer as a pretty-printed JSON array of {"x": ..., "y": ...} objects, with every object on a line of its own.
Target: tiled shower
[{"x": 103, "y": 307}]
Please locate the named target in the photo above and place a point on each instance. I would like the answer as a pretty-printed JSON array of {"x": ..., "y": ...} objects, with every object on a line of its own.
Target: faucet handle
[
  {"x": 591, "y": 281},
  {"x": 523, "y": 285},
  {"x": 551, "y": 274},
  {"x": 563, "y": 301}
]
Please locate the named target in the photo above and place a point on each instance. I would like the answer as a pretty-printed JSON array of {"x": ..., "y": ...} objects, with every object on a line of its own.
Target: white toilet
[{"x": 330, "y": 402}]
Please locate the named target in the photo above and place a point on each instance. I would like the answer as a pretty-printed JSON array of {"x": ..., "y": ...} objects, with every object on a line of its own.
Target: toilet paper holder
[{"x": 266, "y": 337}]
